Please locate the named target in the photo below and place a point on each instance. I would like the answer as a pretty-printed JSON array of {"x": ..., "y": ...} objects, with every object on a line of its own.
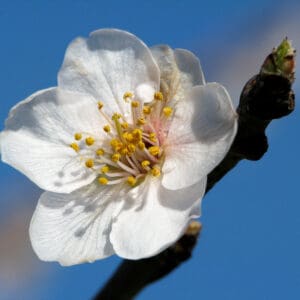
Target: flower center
[{"x": 130, "y": 149}]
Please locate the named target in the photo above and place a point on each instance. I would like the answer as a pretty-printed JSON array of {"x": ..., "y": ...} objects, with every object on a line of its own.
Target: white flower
[{"x": 122, "y": 147}]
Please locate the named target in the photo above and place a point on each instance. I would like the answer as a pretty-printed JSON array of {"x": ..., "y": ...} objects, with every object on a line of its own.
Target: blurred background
[{"x": 250, "y": 244}]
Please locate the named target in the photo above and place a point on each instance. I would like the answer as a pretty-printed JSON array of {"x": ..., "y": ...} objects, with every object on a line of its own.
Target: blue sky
[{"x": 250, "y": 244}]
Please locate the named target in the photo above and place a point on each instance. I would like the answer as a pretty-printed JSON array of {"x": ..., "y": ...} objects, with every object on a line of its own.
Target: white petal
[
  {"x": 38, "y": 133},
  {"x": 169, "y": 72},
  {"x": 190, "y": 70},
  {"x": 180, "y": 71},
  {"x": 200, "y": 135},
  {"x": 158, "y": 222},
  {"x": 144, "y": 93},
  {"x": 108, "y": 64},
  {"x": 74, "y": 228}
]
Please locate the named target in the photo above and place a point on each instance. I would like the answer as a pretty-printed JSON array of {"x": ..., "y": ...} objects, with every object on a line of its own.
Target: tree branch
[
  {"x": 266, "y": 96},
  {"x": 133, "y": 275}
]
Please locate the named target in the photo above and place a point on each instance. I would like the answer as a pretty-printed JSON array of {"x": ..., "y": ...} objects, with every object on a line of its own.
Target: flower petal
[
  {"x": 200, "y": 135},
  {"x": 180, "y": 71},
  {"x": 38, "y": 133},
  {"x": 159, "y": 221},
  {"x": 190, "y": 70},
  {"x": 108, "y": 64},
  {"x": 74, "y": 228}
]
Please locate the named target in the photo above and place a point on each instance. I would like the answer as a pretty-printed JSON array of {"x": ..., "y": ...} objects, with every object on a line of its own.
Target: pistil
[{"x": 131, "y": 150}]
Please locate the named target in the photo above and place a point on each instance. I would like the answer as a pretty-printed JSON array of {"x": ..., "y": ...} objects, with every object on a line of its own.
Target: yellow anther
[
  {"x": 75, "y": 147},
  {"x": 105, "y": 169},
  {"x": 131, "y": 180},
  {"x": 127, "y": 95},
  {"x": 167, "y": 111},
  {"x": 155, "y": 172},
  {"x": 135, "y": 104},
  {"x": 124, "y": 125},
  {"x": 116, "y": 116},
  {"x": 106, "y": 128},
  {"x": 100, "y": 151},
  {"x": 89, "y": 140},
  {"x": 141, "y": 145},
  {"x": 116, "y": 157},
  {"x": 141, "y": 121},
  {"x": 116, "y": 144},
  {"x": 127, "y": 136},
  {"x": 152, "y": 137},
  {"x": 145, "y": 164},
  {"x": 100, "y": 105},
  {"x": 125, "y": 151},
  {"x": 137, "y": 133},
  {"x": 146, "y": 109},
  {"x": 158, "y": 96},
  {"x": 131, "y": 148},
  {"x": 89, "y": 163},
  {"x": 77, "y": 136},
  {"x": 154, "y": 150},
  {"x": 102, "y": 180}
]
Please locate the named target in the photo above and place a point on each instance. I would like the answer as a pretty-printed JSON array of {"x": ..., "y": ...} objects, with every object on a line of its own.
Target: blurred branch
[{"x": 266, "y": 96}]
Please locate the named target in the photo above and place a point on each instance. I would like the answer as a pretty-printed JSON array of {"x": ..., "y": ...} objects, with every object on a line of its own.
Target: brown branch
[
  {"x": 133, "y": 275},
  {"x": 265, "y": 97}
]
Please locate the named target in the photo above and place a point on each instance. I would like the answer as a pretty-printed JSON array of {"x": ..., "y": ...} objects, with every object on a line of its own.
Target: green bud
[{"x": 281, "y": 61}]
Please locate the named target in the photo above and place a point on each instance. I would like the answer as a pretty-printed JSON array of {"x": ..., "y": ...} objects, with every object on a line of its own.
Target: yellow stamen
[
  {"x": 141, "y": 145},
  {"x": 89, "y": 163},
  {"x": 131, "y": 180},
  {"x": 135, "y": 104},
  {"x": 116, "y": 144},
  {"x": 89, "y": 140},
  {"x": 124, "y": 125},
  {"x": 158, "y": 96},
  {"x": 128, "y": 136},
  {"x": 102, "y": 180},
  {"x": 100, "y": 151},
  {"x": 155, "y": 172},
  {"x": 137, "y": 133},
  {"x": 75, "y": 147},
  {"x": 100, "y": 105},
  {"x": 125, "y": 151},
  {"x": 105, "y": 169},
  {"x": 146, "y": 109},
  {"x": 167, "y": 111},
  {"x": 131, "y": 148},
  {"x": 145, "y": 164},
  {"x": 154, "y": 150},
  {"x": 127, "y": 95},
  {"x": 116, "y": 157},
  {"x": 116, "y": 116},
  {"x": 77, "y": 136},
  {"x": 141, "y": 121},
  {"x": 152, "y": 137},
  {"x": 106, "y": 128}
]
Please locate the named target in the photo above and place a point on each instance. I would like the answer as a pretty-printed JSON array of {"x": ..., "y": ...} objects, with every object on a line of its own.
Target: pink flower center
[{"x": 130, "y": 149}]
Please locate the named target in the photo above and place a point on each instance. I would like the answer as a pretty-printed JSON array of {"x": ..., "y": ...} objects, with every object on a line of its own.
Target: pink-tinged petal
[
  {"x": 157, "y": 222},
  {"x": 74, "y": 228},
  {"x": 108, "y": 64},
  {"x": 201, "y": 133},
  {"x": 180, "y": 70},
  {"x": 38, "y": 133}
]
